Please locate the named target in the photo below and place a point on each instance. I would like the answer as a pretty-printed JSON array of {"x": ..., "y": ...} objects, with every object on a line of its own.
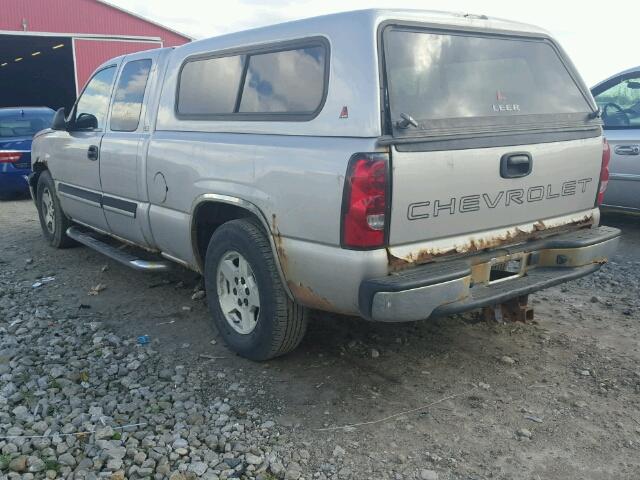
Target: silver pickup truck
[{"x": 391, "y": 164}]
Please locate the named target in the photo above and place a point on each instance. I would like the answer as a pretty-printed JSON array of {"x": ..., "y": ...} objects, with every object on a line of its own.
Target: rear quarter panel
[{"x": 296, "y": 182}]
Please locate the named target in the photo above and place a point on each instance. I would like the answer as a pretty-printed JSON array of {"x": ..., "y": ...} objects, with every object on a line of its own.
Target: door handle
[
  {"x": 515, "y": 165},
  {"x": 627, "y": 150},
  {"x": 92, "y": 153}
]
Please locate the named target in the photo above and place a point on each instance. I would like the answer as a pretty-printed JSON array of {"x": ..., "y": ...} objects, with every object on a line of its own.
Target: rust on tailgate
[{"x": 509, "y": 237}]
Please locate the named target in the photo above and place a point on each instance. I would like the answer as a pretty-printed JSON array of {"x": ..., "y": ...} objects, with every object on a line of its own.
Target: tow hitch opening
[{"x": 505, "y": 269}]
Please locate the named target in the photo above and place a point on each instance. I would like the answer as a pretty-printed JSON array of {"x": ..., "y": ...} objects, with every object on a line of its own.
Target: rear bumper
[
  {"x": 13, "y": 180},
  {"x": 448, "y": 287}
]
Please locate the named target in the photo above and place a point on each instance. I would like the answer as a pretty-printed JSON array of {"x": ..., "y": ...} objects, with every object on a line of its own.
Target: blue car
[{"x": 17, "y": 128}]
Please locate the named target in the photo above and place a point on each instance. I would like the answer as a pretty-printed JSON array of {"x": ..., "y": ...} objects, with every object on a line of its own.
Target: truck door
[
  {"x": 125, "y": 200},
  {"x": 75, "y": 153}
]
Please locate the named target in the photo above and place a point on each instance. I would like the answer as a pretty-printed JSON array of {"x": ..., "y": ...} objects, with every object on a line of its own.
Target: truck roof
[
  {"x": 369, "y": 19},
  {"x": 366, "y": 20}
]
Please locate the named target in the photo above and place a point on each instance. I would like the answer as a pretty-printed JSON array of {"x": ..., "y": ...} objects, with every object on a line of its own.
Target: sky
[{"x": 600, "y": 37}]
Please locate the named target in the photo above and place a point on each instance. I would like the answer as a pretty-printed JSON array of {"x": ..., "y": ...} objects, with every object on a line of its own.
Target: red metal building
[{"x": 49, "y": 48}]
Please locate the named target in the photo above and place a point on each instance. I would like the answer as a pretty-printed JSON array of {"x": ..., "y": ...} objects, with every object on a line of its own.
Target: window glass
[
  {"x": 95, "y": 98},
  {"x": 289, "y": 81},
  {"x": 210, "y": 86},
  {"x": 24, "y": 126},
  {"x": 127, "y": 101},
  {"x": 442, "y": 77},
  {"x": 620, "y": 104}
]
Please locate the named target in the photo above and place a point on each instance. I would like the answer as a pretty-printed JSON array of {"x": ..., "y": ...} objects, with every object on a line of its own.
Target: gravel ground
[{"x": 453, "y": 398}]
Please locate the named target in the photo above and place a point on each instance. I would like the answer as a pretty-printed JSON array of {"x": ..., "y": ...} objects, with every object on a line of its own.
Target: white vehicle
[{"x": 391, "y": 164}]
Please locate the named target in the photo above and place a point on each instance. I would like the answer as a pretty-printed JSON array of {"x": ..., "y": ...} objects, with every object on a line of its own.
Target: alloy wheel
[
  {"x": 238, "y": 293},
  {"x": 48, "y": 211}
]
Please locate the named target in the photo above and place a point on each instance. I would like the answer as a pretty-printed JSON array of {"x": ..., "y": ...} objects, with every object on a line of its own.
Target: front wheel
[
  {"x": 53, "y": 221},
  {"x": 250, "y": 307}
]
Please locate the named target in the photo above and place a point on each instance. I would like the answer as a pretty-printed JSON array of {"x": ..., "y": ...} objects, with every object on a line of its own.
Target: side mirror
[
  {"x": 59, "y": 121},
  {"x": 85, "y": 121}
]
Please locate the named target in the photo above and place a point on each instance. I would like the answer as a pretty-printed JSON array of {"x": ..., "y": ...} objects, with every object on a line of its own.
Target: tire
[
  {"x": 53, "y": 227},
  {"x": 278, "y": 325}
]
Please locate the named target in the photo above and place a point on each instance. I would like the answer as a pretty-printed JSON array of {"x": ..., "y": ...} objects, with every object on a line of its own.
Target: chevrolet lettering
[{"x": 496, "y": 200}]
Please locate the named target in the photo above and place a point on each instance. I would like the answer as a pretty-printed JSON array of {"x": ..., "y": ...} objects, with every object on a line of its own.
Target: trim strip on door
[
  {"x": 93, "y": 197},
  {"x": 105, "y": 202},
  {"x": 112, "y": 203},
  {"x": 625, "y": 177}
]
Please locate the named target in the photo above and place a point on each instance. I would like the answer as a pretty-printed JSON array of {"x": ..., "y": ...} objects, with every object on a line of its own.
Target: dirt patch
[{"x": 566, "y": 404}]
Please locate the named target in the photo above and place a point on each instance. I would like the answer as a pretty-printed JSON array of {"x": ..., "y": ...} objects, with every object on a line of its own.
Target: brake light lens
[
  {"x": 604, "y": 171},
  {"x": 10, "y": 156},
  {"x": 365, "y": 204}
]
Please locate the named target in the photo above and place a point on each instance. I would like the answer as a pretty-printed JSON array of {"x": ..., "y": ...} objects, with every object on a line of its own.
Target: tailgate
[
  {"x": 449, "y": 193},
  {"x": 489, "y": 133}
]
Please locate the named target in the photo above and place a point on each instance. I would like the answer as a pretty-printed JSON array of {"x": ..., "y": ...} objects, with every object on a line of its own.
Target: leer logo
[{"x": 501, "y": 106}]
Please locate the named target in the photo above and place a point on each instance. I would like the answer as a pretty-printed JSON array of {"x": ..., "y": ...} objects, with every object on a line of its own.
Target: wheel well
[
  {"x": 207, "y": 217},
  {"x": 38, "y": 168}
]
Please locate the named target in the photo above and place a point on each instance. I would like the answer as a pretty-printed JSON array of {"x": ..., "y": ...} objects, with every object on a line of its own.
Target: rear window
[
  {"x": 260, "y": 85},
  {"x": 435, "y": 78},
  {"x": 24, "y": 126}
]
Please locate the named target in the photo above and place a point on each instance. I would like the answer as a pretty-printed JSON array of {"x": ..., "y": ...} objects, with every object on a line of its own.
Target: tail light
[
  {"x": 604, "y": 171},
  {"x": 366, "y": 201},
  {"x": 10, "y": 156}
]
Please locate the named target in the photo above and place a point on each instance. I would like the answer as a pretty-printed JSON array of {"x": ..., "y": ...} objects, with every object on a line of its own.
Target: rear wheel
[
  {"x": 250, "y": 307},
  {"x": 53, "y": 221}
]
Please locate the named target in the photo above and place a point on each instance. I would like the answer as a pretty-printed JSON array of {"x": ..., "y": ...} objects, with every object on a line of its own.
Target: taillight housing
[
  {"x": 604, "y": 172},
  {"x": 366, "y": 201},
  {"x": 10, "y": 156}
]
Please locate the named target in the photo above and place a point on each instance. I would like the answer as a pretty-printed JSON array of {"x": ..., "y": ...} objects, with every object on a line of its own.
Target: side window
[
  {"x": 290, "y": 81},
  {"x": 255, "y": 85},
  {"x": 210, "y": 86},
  {"x": 95, "y": 97},
  {"x": 127, "y": 101},
  {"x": 620, "y": 104}
]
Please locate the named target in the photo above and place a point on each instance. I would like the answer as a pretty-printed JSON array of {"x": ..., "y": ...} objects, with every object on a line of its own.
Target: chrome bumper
[{"x": 447, "y": 287}]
